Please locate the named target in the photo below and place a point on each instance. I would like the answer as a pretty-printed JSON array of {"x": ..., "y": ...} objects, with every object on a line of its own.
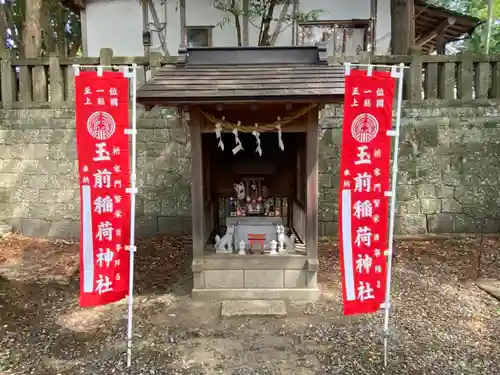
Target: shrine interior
[{"x": 273, "y": 185}]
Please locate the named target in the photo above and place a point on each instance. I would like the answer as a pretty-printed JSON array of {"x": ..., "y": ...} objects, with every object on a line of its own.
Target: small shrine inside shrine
[{"x": 253, "y": 118}]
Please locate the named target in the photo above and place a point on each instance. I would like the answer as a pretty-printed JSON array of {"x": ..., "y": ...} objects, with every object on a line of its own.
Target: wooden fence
[{"x": 48, "y": 82}]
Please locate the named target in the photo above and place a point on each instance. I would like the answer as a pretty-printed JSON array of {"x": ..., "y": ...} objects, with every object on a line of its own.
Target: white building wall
[{"x": 117, "y": 24}]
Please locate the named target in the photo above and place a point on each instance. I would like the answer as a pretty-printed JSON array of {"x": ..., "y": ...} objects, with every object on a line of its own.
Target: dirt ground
[{"x": 441, "y": 323}]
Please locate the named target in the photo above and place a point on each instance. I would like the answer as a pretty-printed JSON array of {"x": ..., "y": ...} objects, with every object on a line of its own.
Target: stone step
[
  {"x": 492, "y": 287},
  {"x": 234, "y": 308}
]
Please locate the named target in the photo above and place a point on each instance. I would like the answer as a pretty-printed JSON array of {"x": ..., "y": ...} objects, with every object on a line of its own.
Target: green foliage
[
  {"x": 260, "y": 14},
  {"x": 479, "y": 9}
]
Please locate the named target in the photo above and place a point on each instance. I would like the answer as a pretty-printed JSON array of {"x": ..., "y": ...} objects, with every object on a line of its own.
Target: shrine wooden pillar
[
  {"x": 197, "y": 213},
  {"x": 312, "y": 146}
]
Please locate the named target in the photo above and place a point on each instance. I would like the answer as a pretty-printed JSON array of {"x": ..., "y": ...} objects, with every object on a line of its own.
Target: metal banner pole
[
  {"x": 133, "y": 191},
  {"x": 387, "y": 304}
]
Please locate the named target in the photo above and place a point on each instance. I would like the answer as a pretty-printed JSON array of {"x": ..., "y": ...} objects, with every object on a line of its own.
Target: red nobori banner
[
  {"x": 104, "y": 173},
  {"x": 364, "y": 181}
]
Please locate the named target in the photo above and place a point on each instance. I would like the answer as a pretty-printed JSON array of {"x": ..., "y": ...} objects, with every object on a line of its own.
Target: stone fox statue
[
  {"x": 240, "y": 191},
  {"x": 226, "y": 241}
]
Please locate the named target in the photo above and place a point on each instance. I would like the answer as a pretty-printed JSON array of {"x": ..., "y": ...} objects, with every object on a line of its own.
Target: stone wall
[
  {"x": 448, "y": 171},
  {"x": 449, "y": 168},
  {"x": 39, "y": 192}
]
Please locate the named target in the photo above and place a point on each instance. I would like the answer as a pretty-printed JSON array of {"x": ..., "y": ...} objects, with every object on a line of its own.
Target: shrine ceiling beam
[{"x": 424, "y": 39}]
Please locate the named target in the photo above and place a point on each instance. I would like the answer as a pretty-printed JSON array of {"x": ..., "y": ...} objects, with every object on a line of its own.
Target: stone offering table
[{"x": 254, "y": 225}]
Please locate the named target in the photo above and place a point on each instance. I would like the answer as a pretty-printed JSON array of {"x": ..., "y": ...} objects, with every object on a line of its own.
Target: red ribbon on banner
[
  {"x": 102, "y": 107},
  {"x": 364, "y": 182}
]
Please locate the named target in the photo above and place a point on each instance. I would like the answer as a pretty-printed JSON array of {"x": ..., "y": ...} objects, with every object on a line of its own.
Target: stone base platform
[
  {"x": 253, "y": 294},
  {"x": 289, "y": 277}
]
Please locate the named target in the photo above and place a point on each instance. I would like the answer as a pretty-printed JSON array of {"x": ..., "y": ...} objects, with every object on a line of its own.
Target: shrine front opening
[
  {"x": 253, "y": 118},
  {"x": 269, "y": 180}
]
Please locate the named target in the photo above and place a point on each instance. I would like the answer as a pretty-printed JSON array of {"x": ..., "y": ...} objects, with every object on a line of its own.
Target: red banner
[
  {"x": 104, "y": 173},
  {"x": 364, "y": 188}
]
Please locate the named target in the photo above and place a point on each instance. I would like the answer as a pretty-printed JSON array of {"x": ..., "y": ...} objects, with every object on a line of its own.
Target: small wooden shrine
[{"x": 253, "y": 117}]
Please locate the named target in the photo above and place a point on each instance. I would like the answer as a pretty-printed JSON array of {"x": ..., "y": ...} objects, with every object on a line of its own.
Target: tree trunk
[
  {"x": 401, "y": 19},
  {"x": 265, "y": 25},
  {"x": 237, "y": 23},
  {"x": 48, "y": 30},
  {"x": 32, "y": 35},
  {"x": 3, "y": 25},
  {"x": 246, "y": 23},
  {"x": 281, "y": 19}
]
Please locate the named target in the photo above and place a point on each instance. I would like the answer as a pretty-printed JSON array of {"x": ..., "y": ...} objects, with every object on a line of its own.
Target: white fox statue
[{"x": 224, "y": 245}]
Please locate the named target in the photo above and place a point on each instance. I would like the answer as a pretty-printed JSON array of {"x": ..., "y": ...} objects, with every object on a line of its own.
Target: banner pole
[
  {"x": 387, "y": 303},
  {"x": 132, "y": 216}
]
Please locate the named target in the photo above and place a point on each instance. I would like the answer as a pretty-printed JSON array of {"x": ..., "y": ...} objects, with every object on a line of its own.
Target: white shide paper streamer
[
  {"x": 239, "y": 146},
  {"x": 258, "y": 149},
  {"x": 218, "y": 134}
]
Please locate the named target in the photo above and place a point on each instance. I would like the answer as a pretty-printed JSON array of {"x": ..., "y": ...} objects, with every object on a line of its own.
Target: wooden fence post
[
  {"x": 482, "y": 80},
  {"x": 69, "y": 87},
  {"x": 365, "y": 57},
  {"x": 40, "y": 87},
  {"x": 431, "y": 80},
  {"x": 105, "y": 56},
  {"x": 25, "y": 84},
  {"x": 414, "y": 77},
  {"x": 56, "y": 80},
  {"x": 155, "y": 62},
  {"x": 495, "y": 80},
  {"x": 465, "y": 77},
  {"x": 7, "y": 81},
  {"x": 447, "y": 81}
]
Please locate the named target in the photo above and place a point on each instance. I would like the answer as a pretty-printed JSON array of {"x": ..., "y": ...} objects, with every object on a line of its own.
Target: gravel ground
[{"x": 441, "y": 322}]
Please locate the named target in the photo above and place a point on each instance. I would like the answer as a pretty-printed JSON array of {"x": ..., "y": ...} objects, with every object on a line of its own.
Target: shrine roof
[
  {"x": 246, "y": 74},
  {"x": 431, "y": 19}
]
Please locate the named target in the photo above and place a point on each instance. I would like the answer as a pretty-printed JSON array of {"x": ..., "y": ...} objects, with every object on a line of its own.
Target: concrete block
[
  {"x": 222, "y": 279},
  {"x": 445, "y": 191},
  {"x": 35, "y": 227},
  {"x": 174, "y": 225},
  {"x": 413, "y": 206},
  {"x": 29, "y": 151},
  {"x": 430, "y": 206},
  {"x": 426, "y": 191},
  {"x": 146, "y": 225},
  {"x": 59, "y": 229},
  {"x": 330, "y": 228},
  {"x": 450, "y": 205},
  {"x": 411, "y": 224},
  {"x": 312, "y": 280},
  {"x": 295, "y": 278},
  {"x": 264, "y": 279},
  {"x": 198, "y": 280},
  {"x": 406, "y": 192},
  {"x": 152, "y": 207},
  {"x": 74, "y": 229},
  {"x": 325, "y": 180},
  {"x": 327, "y": 212}
]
